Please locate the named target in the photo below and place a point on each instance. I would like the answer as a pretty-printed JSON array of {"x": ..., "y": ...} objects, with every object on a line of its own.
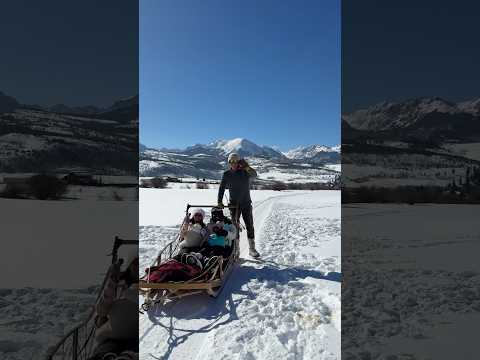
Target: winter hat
[
  {"x": 233, "y": 157},
  {"x": 199, "y": 211},
  {"x": 216, "y": 214}
]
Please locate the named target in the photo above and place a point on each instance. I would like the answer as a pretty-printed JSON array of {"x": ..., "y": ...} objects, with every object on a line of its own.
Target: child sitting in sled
[
  {"x": 222, "y": 234},
  {"x": 194, "y": 233}
]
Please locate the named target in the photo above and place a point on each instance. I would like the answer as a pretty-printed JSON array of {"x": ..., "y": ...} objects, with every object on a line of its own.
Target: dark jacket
[{"x": 238, "y": 184}]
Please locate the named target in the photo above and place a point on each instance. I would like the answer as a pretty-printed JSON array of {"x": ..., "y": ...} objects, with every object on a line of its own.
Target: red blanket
[{"x": 172, "y": 270}]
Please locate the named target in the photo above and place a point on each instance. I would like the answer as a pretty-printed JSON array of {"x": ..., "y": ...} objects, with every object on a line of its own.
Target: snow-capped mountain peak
[
  {"x": 471, "y": 107},
  {"x": 400, "y": 115},
  {"x": 244, "y": 147},
  {"x": 309, "y": 152},
  {"x": 235, "y": 145},
  {"x": 428, "y": 105}
]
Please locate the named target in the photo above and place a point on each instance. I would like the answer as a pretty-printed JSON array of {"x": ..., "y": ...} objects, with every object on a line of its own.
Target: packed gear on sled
[
  {"x": 208, "y": 267},
  {"x": 111, "y": 330},
  {"x": 194, "y": 258},
  {"x": 172, "y": 270}
]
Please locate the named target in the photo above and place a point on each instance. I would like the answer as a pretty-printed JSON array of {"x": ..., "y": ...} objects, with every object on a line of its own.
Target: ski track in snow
[{"x": 284, "y": 306}]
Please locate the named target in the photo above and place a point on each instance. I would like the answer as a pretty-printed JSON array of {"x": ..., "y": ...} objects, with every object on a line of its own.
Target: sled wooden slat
[{"x": 181, "y": 286}]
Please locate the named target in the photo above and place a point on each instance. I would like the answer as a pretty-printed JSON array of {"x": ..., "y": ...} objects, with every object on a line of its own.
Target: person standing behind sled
[{"x": 237, "y": 180}]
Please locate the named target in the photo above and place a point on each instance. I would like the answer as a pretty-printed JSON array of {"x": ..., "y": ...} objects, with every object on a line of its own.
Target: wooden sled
[{"x": 210, "y": 281}]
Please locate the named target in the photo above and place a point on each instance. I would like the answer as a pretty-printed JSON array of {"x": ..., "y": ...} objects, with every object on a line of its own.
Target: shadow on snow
[{"x": 223, "y": 309}]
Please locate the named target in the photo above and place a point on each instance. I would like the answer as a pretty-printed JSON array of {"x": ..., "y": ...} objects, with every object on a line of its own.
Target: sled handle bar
[
  {"x": 119, "y": 242},
  {"x": 212, "y": 206}
]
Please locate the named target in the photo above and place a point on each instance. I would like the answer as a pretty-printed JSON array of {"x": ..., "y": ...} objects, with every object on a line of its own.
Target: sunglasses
[
  {"x": 232, "y": 162},
  {"x": 198, "y": 215}
]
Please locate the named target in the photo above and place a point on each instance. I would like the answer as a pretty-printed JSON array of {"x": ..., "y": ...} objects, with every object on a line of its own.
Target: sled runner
[
  {"x": 210, "y": 279},
  {"x": 79, "y": 343}
]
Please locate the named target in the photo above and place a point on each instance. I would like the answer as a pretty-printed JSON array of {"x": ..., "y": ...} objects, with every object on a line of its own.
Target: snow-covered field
[
  {"x": 438, "y": 168},
  {"x": 336, "y": 167},
  {"x": 468, "y": 150},
  {"x": 102, "y": 193},
  {"x": 113, "y": 188},
  {"x": 60, "y": 235},
  {"x": 299, "y": 176},
  {"x": 51, "y": 266},
  {"x": 285, "y": 306},
  {"x": 415, "y": 286},
  {"x": 390, "y": 176}
]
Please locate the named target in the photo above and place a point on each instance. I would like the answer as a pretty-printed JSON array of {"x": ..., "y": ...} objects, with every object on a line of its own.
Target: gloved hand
[
  {"x": 243, "y": 163},
  {"x": 220, "y": 205}
]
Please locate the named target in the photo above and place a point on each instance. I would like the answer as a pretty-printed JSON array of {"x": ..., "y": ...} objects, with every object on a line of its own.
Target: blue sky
[
  {"x": 69, "y": 52},
  {"x": 268, "y": 71},
  {"x": 394, "y": 51}
]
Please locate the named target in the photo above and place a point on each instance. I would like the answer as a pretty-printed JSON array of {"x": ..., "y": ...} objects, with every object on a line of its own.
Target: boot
[{"x": 251, "y": 245}]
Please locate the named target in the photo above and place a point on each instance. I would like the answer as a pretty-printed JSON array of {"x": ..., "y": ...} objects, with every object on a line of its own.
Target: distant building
[
  {"x": 146, "y": 183},
  {"x": 172, "y": 179},
  {"x": 80, "y": 179},
  {"x": 20, "y": 184},
  {"x": 156, "y": 182}
]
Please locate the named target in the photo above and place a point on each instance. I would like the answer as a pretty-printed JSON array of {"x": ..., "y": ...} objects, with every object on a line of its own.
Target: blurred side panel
[
  {"x": 410, "y": 179},
  {"x": 68, "y": 178}
]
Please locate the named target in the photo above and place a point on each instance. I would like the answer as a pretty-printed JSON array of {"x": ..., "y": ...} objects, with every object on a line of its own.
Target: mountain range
[
  {"x": 61, "y": 138},
  {"x": 209, "y": 160},
  {"x": 421, "y": 119},
  {"x": 413, "y": 142}
]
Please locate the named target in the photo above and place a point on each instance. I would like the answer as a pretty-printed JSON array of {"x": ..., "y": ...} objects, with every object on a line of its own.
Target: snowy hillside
[
  {"x": 285, "y": 306},
  {"x": 393, "y": 169},
  {"x": 209, "y": 161},
  {"x": 472, "y": 106},
  {"x": 305, "y": 152},
  {"x": 35, "y": 139},
  {"x": 315, "y": 153},
  {"x": 388, "y": 115},
  {"x": 426, "y": 141},
  {"x": 155, "y": 162}
]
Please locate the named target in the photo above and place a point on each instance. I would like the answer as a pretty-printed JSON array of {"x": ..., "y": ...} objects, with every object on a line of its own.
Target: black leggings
[{"x": 246, "y": 212}]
